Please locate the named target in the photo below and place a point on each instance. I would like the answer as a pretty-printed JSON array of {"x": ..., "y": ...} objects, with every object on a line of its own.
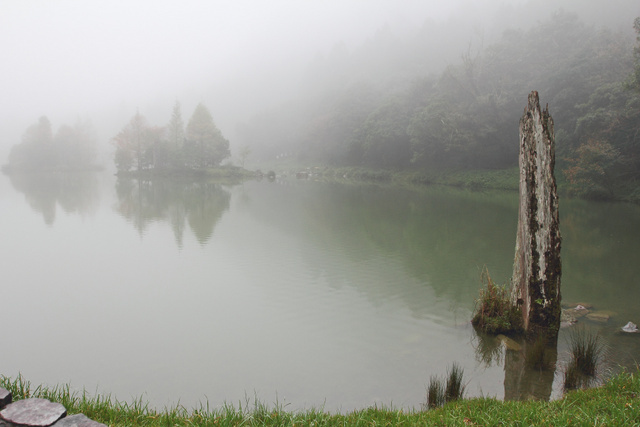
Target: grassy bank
[
  {"x": 221, "y": 172},
  {"x": 615, "y": 403},
  {"x": 504, "y": 179}
]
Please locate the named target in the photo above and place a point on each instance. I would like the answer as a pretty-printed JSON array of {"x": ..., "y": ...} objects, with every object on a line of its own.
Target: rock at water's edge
[
  {"x": 5, "y": 397},
  {"x": 78, "y": 420},
  {"x": 33, "y": 412}
]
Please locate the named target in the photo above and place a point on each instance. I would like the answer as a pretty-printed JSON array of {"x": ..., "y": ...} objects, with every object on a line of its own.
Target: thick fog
[{"x": 104, "y": 61}]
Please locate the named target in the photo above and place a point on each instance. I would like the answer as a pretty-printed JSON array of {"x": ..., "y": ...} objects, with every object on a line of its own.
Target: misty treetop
[
  {"x": 70, "y": 148},
  {"x": 200, "y": 145},
  {"x": 466, "y": 117}
]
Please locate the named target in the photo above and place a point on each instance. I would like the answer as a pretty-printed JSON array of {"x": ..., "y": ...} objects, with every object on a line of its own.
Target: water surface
[{"x": 327, "y": 295}]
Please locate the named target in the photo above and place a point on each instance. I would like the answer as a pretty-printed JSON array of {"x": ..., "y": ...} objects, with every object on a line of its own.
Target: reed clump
[
  {"x": 587, "y": 351},
  {"x": 495, "y": 313},
  {"x": 440, "y": 393}
]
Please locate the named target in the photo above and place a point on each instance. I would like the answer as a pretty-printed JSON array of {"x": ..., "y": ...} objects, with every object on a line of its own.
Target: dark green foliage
[
  {"x": 633, "y": 82},
  {"x": 495, "y": 313},
  {"x": 465, "y": 117}
]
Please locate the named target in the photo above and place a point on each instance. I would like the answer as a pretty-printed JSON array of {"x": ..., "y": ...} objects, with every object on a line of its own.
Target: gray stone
[
  {"x": 33, "y": 412},
  {"x": 78, "y": 420},
  {"x": 5, "y": 397}
]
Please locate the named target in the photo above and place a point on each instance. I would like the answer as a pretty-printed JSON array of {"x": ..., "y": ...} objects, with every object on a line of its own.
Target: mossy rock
[
  {"x": 575, "y": 314},
  {"x": 600, "y": 316}
]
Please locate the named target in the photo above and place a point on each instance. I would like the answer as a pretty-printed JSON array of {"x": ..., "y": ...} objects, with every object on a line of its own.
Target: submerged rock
[
  {"x": 509, "y": 343},
  {"x": 579, "y": 305},
  {"x": 567, "y": 319},
  {"x": 574, "y": 313},
  {"x": 599, "y": 316}
]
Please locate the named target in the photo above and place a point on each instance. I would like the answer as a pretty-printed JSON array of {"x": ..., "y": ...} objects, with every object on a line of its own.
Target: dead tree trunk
[{"x": 537, "y": 267}]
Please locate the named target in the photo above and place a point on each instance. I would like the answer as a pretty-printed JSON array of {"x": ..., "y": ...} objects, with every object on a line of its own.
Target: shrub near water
[{"x": 495, "y": 313}]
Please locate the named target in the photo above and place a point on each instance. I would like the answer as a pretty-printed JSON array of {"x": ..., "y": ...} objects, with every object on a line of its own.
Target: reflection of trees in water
[
  {"x": 201, "y": 204},
  {"x": 441, "y": 237},
  {"x": 74, "y": 192}
]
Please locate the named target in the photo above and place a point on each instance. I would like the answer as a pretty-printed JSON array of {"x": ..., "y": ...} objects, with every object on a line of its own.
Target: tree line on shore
[
  {"x": 463, "y": 118},
  {"x": 174, "y": 147},
  {"x": 139, "y": 146},
  {"x": 70, "y": 148},
  {"x": 466, "y": 117}
]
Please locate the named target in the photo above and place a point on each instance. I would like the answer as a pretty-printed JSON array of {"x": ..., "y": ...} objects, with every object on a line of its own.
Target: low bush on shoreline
[{"x": 617, "y": 402}]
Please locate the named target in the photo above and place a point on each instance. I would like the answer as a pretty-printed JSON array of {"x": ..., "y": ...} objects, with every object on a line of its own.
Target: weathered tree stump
[{"x": 537, "y": 266}]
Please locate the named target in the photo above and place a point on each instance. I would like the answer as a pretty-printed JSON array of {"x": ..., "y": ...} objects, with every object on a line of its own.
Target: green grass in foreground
[{"x": 617, "y": 403}]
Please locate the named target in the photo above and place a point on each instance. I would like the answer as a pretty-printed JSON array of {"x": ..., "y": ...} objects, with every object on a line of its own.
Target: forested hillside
[{"x": 466, "y": 117}]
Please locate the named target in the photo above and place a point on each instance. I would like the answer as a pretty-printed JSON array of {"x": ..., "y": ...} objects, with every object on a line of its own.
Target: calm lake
[{"x": 312, "y": 294}]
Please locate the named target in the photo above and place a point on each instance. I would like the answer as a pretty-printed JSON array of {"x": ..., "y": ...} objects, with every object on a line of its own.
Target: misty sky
[
  {"x": 103, "y": 60},
  {"x": 70, "y": 58}
]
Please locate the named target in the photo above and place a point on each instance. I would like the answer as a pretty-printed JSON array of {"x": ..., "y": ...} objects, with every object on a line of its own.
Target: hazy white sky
[
  {"x": 68, "y": 58},
  {"x": 102, "y": 60}
]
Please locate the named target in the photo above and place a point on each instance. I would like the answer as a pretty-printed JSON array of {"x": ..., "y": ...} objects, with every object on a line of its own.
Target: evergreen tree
[
  {"x": 205, "y": 146},
  {"x": 132, "y": 143},
  {"x": 175, "y": 129}
]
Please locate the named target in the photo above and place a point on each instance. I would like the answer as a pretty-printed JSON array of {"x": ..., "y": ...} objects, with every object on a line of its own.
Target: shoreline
[{"x": 617, "y": 402}]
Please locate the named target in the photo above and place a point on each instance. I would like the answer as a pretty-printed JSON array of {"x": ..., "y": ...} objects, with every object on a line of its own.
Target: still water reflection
[{"x": 314, "y": 294}]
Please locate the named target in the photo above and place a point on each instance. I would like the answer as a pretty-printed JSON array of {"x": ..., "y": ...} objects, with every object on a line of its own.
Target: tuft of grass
[
  {"x": 495, "y": 313},
  {"x": 455, "y": 388},
  {"x": 435, "y": 393},
  {"x": 438, "y": 393},
  {"x": 587, "y": 351}
]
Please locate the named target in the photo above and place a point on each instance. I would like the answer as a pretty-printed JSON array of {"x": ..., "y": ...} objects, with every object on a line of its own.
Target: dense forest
[{"x": 466, "y": 116}]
